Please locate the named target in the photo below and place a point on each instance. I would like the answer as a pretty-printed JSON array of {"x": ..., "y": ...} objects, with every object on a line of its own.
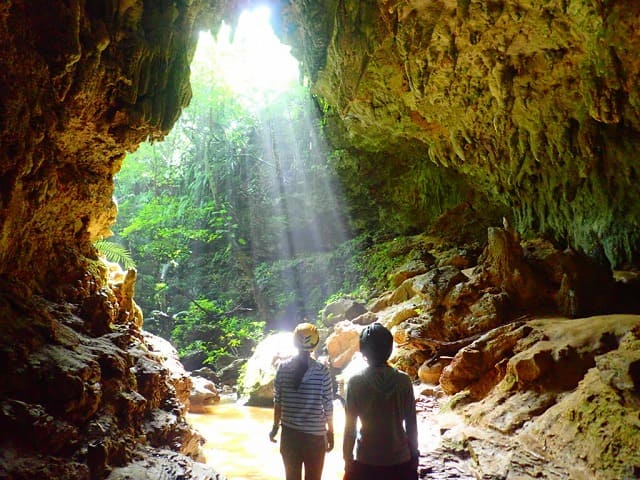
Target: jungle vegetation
[
  {"x": 243, "y": 220},
  {"x": 234, "y": 221}
]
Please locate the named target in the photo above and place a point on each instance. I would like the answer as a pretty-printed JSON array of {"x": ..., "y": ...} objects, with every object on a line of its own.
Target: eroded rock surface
[
  {"x": 75, "y": 402},
  {"x": 532, "y": 396},
  {"x": 532, "y": 104}
]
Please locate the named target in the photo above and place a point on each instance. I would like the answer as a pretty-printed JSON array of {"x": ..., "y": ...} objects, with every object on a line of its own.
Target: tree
[{"x": 232, "y": 218}]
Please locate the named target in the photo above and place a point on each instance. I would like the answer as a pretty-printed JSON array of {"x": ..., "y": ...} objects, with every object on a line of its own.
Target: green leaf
[{"x": 115, "y": 252}]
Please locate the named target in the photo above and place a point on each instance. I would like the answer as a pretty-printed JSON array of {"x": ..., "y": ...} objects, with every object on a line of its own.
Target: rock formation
[
  {"x": 553, "y": 396},
  {"x": 501, "y": 106},
  {"x": 84, "y": 390},
  {"x": 533, "y": 105}
]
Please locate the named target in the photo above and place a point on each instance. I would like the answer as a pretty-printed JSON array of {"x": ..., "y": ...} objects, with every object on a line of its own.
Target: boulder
[
  {"x": 204, "y": 395},
  {"x": 194, "y": 360},
  {"x": 256, "y": 386},
  {"x": 167, "y": 355},
  {"x": 408, "y": 270},
  {"x": 429, "y": 372},
  {"x": 549, "y": 354},
  {"x": 380, "y": 303},
  {"x": 343, "y": 343},
  {"x": 206, "y": 372},
  {"x": 396, "y": 314},
  {"x": 230, "y": 374},
  {"x": 434, "y": 285},
  {"x": 365, "y": 319},
  {"x": 342, "y": 309},
  {"x": 408, "y": 360}
]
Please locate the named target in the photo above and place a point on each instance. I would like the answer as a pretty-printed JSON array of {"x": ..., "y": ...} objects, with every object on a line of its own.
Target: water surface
[{"x": 238, "y": 443}]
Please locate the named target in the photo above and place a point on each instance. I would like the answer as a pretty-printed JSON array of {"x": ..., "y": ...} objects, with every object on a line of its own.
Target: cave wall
[
  {"x": 536, "y": 104},
  {"x": 533, "y": 106},
  {"x": 81, "y": 83},
  {"x": 84, "y": 392}
]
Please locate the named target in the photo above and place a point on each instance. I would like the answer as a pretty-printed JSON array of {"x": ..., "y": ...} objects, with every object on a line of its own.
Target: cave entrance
[{"x": 233, "y": 220}]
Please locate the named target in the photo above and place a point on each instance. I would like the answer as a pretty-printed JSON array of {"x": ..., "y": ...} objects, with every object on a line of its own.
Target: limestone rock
[
  {"x": 229, "y": 375},
  {"x": 580, "y": 413},
  {"x": 152, "y": 465},
  {"x": 598, "y": 421},
  {"x": 398, "y": 313},
  {"x": 102, "y": 395},
  {"x": 408, "y": 360},
  {"x": 434, "y": 285},
  {"x": 380, "y": 303},
  {"x": 365, "y": 319},
  {"x": 206, "y": 372},
  {"x": 430, "y": 372},
  {"x": 503, "y": 265},
  {"x": 402, "y": 293},
  {"x": 511, "y": 97},
  {"x": 167, "y": 355},
  {"x": 343, "y": 309},
  {"x": 410, "y": 269},
  {"x": 552, "y": 354},
  {"x": 203, "y": 395},
  {"x": 343, "y": 343},
  {"x": 260, "y": 372}
]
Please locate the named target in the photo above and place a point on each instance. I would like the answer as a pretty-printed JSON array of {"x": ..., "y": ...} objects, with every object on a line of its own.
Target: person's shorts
[{"x": 298, "y": 447}]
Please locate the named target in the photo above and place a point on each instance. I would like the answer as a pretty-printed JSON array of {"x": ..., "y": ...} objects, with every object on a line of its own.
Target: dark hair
[
  {"x": 376, "y": 343},
  {"x": 301, "y": 365}
]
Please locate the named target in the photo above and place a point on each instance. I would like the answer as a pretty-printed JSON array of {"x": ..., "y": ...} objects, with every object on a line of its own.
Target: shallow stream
[{"x": 238, "y": 443}]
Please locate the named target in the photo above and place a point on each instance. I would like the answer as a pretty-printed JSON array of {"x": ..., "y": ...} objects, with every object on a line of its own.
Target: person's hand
[
  {"x": 273, "y": 433},
  {"x": 329, "y": 440}
]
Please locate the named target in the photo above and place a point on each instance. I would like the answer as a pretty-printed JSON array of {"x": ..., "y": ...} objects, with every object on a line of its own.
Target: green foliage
[
  {"x": 115, "y": 253},
  {"x": 380, "y": 258},
  {"x": 208, "y": 326},
  {"x": 308, "y": 281},
  {"x": 236, "y": 207}
]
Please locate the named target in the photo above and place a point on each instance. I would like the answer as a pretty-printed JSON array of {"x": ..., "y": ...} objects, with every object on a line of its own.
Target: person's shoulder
[
  {"x": 318, "y": 365},
  {"x": 357, "y": 377},
  {"x": 402, "y": 376},
  {"x": 400, "y": 373}
]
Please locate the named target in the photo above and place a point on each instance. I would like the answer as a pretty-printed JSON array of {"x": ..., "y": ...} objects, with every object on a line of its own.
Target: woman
[
  {"x": 382, "y": 398},
  {"x": 303, "y": 397}
]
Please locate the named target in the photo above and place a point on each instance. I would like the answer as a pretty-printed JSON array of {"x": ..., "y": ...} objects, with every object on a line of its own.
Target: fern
[{"x": 115, "y": 252}]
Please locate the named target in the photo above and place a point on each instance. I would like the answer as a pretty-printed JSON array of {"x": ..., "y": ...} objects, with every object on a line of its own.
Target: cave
[{"x": 528, "y": 110}]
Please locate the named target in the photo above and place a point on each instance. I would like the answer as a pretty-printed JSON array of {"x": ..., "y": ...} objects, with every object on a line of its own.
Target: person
[
  {"x": 382, "y": 398},
  {"x": 303, "y": 406}
]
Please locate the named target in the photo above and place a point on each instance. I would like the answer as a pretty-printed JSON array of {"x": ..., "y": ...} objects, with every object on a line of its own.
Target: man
[
  {"x": 303, "y": 405},
  {"x": 382, "y": 398}
]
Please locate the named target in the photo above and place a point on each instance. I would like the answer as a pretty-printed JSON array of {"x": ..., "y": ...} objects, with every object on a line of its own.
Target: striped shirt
[{"x": 308, "y": 408}]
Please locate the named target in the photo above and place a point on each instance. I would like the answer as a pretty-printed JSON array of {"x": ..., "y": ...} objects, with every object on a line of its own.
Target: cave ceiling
[{"x": 535, "y": 104}]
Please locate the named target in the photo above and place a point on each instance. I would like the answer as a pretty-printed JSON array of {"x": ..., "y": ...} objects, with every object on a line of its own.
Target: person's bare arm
[
  {"x": 329, "y": 434},
  {"x": 277, "y": 414},
  {"x": 349, "y": 439}
]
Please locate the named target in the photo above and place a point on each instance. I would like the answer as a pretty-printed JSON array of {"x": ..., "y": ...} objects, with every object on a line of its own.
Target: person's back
[
  {"x": 382, "y": 398},
  {"x": 304, "y": 401},
  {"x": 303, "y": 396}
]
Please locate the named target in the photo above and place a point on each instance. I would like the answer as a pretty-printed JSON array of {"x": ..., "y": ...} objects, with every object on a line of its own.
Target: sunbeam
[
  {"x": 256, "y": 66},
  {"x": 294, "y": 187}
]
